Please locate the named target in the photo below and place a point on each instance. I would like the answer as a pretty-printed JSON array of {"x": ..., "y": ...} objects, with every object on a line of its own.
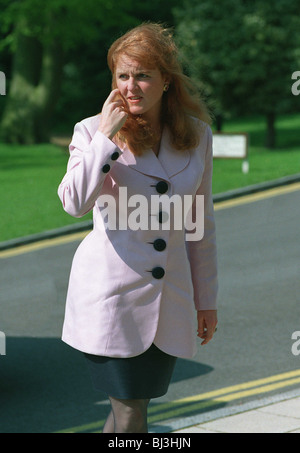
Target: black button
[
  {"x": 163, "y": 216},
  {"x": 114, "y": 155},
  {"x": 162, "y": 187},
  {"x": 106, "y": 168},
  {"x": 158, "y": 272},
  {"x": 159, "y": 245}
]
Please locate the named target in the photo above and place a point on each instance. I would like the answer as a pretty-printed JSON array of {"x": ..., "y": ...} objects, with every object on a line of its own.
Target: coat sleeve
[
  {"x": 91, "y": 159},
  {"x": 202, "y": 253}
]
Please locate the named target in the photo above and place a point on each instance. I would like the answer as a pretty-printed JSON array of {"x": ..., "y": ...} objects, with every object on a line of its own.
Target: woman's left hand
[{"x": 207, "y": 324}]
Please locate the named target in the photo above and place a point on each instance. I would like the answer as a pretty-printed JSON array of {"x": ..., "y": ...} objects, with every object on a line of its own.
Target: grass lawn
[
  {"x": 30, "y": 175},
  {"x": 29, "y": 179}
]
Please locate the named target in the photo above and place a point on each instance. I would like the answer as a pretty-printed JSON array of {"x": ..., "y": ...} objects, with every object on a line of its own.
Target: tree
[
  {"x": 244, "y": 53},
  {"x": 42, "y": 34}
]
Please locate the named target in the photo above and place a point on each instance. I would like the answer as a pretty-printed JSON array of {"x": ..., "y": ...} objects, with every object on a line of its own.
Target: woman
[{"x": 134, "y": 283}]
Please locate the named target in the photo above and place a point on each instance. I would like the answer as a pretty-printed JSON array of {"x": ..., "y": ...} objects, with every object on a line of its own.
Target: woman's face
[{"x": 141, "y": 88}]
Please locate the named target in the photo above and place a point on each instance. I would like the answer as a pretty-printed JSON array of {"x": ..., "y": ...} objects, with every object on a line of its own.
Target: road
[{"x": 44, "y": 384}]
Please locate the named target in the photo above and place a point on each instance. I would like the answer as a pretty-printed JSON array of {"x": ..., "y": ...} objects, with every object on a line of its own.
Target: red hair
[{"x": 153, "y": 47}]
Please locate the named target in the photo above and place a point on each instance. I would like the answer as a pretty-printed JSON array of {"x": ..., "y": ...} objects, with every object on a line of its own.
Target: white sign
[{"x": 234, "y": 146}]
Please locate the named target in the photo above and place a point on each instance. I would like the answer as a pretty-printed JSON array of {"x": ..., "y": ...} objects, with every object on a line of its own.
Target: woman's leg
[
  {"x": 109, "y": 426},
  {"x": 130, "y": 416}
]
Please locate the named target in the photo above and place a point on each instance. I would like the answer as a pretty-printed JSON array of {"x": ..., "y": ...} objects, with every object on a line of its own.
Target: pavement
[{"x": 273, "y": 415}]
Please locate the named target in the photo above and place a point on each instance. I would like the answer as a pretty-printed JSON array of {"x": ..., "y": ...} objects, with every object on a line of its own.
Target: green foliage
[
  {"x": 244, "y": 52},
  {"x": 73, "y": 22}
]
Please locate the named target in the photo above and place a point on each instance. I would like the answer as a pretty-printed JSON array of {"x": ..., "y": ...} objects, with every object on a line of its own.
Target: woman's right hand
[{"x": 113, "y": 115}]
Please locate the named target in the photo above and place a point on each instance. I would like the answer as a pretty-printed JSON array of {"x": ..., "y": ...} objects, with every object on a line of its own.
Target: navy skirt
[{"x": 145, "y": 376}]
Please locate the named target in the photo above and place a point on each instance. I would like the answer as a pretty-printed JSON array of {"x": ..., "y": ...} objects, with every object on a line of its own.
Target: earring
[{"x": 166, "y": 87}]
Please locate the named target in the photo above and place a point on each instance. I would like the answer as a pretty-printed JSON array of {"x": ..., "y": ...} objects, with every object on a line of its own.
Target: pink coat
[{"x": 126, "y": 289}]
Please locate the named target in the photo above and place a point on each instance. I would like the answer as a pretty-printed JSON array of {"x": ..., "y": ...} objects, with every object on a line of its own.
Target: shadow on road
[{"x": 45, "y": 387}]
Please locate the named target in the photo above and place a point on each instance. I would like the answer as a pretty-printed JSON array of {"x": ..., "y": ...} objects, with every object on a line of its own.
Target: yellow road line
[
  {"x": 257, "y": 196},
  {"x": 43, "y": 244},
  {"x": 243, "y": 386},
  {"x": 208, "y": 400},
  {"x": 175, "y": 412}
]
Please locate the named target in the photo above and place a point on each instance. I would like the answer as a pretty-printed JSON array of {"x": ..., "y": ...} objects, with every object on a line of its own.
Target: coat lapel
[
  {"x": 172, "y": 160},
  {"x": 168, "y": 163},
  {"x": 147, "y": 163}
]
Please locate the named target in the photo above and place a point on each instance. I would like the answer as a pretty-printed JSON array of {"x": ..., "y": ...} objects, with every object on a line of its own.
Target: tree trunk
[
  {"x": 34, "y": 89},
  {"x": 219, "y": 122},
  {"x": 271, "y": 133}
]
